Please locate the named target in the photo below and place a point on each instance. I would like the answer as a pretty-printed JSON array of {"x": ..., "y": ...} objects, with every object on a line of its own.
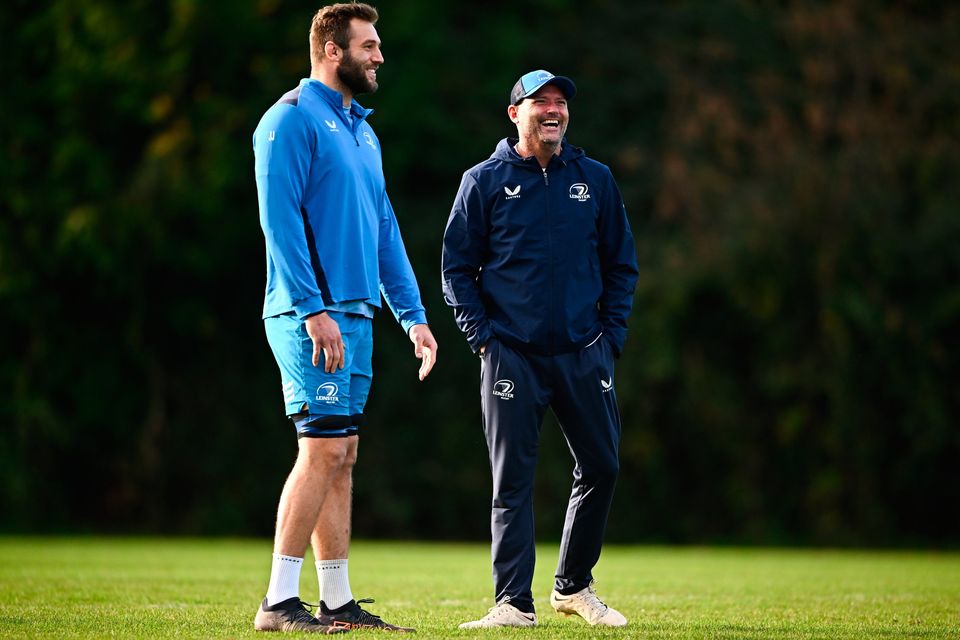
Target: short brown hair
[{"x": 332, "y": 23}]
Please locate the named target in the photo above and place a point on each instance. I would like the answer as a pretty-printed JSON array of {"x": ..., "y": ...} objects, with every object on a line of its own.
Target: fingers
[
  {"x": 326, "y": 337},
  {"x": 426, "y": 350},
  {"x": 427, "y": 361},
  {"x": 334, "y": 357}
]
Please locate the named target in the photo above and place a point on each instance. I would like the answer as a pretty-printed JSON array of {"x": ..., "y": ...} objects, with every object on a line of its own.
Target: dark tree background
[{"x": 792, "y": 374}]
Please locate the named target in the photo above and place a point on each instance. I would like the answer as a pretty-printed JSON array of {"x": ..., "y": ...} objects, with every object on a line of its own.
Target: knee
[
  {"x": 601, "y": 472},
  {"x": 344, "y": 455},
  {"x": 328, "y": 455},
  {"x": 512, "y": 497},
  {"x": 350, "y": 453}
]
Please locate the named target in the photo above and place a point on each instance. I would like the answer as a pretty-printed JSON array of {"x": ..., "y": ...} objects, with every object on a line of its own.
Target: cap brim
[{"x": 563, "y": 83}]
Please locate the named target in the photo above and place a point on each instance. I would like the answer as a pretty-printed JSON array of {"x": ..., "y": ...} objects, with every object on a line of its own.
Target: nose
[{"x": 377, "y": 56}]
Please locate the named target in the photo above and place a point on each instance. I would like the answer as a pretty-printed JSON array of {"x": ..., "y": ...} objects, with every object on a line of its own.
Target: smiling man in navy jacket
[
  {"x": 333, "y": 247},
  {"x": 539, "y": 266}
]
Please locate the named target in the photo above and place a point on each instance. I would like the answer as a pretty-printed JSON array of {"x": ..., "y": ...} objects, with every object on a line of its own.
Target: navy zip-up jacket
[{"x": 540, "y": 259}]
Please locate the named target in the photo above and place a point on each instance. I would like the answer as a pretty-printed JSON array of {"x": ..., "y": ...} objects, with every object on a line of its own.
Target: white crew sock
[
  {"x": 284, "y": 579},
  {"x": 334, "y": 583}
]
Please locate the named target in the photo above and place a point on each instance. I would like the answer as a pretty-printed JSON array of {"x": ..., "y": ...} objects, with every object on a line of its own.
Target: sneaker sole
[{"x": 565, "y": 614}]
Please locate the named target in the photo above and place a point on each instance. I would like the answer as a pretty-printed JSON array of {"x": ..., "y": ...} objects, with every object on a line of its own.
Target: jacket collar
[
  {"x": 334, "y": 98},
  {"x": 506, "y": 151}
]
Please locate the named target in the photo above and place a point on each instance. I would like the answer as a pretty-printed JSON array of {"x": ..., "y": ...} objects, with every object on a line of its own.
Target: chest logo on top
[
  {"x": 512, "y": 193},
  {"x": 579, "y": 191},
  {"x": 369, "y": 139},
  {"x": 332, "y": 124}
]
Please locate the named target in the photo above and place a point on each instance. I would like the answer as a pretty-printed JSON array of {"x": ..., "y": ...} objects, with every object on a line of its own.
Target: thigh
[
  {"x": 318, "y": 402},
  {"x": 359, "y": 341},
  {"x": 513, "y": 400},
  {"x": 585, "y": 403}
]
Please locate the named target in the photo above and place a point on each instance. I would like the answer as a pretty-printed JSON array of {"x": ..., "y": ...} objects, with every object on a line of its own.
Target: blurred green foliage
[{"x": 792, "y": 373}]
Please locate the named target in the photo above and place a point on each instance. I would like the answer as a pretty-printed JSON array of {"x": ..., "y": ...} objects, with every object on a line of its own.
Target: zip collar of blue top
[{"x": 335, "y": 99}]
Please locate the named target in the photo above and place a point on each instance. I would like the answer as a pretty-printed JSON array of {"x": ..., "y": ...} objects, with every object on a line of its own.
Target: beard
[{"x": 353, "y": 76}]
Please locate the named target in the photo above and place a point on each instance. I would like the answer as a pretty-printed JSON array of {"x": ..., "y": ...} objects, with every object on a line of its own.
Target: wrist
[{"x": 413, "y": 327}]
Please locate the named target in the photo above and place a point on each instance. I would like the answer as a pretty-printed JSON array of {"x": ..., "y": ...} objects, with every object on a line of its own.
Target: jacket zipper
[{"x": 546, "y": 183}]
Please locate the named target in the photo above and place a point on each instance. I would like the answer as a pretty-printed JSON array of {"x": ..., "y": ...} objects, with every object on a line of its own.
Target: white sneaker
[
  {"x": 588, "y": 606},
  {"x": 503, "y": 615}
]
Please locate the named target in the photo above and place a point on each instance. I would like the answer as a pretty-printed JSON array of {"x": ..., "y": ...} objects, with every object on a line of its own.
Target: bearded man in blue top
[{"x": 333, "y": 248}]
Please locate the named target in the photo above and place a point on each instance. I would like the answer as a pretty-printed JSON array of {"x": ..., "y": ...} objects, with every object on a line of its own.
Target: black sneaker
[
  {"x": 351, "y": 616},
  {"x": 291, "y": 615}
]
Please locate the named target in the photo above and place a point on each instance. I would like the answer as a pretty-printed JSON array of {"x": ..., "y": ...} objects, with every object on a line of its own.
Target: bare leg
[
  {"x": 316, "y": 476},
  {"x": 331, "y": 535}
]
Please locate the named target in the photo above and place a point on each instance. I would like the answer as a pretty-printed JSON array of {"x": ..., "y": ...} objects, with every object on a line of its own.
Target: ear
[
  {"x": 331, "y": 50},
  {"x": 512, "y": 113}
]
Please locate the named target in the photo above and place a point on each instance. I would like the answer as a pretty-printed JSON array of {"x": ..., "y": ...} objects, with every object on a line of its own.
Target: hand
[
  {"x": 425, "y": 348},
  {"x": 325, "y": 333}
]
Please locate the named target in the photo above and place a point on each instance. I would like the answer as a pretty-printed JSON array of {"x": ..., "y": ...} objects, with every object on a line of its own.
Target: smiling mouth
[{"x": 551, "y": 125}]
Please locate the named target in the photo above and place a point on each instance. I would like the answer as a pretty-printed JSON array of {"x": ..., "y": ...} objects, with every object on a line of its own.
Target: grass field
[{"x": 210, "y": 588}]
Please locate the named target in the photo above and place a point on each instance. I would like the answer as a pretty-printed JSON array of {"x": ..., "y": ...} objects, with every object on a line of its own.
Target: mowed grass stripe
[{"x": 89, "y": 587}]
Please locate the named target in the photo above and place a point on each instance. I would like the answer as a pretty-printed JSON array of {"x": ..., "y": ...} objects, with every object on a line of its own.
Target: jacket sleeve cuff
[
  {"x": 408, "y": 321},
  {"x": 480, "y": 338},
  {"x": 308, "y": 307}
]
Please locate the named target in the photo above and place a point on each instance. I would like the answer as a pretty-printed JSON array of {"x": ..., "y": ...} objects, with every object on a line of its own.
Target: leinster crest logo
[
  {"x": 579, "y": 191},
  {"x": 503, "y": 388},
  {"x": 327, "y": 392}
]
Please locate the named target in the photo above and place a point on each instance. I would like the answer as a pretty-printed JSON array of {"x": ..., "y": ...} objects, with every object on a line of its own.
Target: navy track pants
[{"x": 516, "y": 388}]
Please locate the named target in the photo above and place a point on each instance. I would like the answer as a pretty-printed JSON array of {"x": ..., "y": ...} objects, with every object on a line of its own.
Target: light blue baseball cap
[{"x": 530, "y": 83}]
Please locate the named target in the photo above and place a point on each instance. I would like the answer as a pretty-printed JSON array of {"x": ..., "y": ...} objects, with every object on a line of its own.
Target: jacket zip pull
[{"x": 546, "y": 180}]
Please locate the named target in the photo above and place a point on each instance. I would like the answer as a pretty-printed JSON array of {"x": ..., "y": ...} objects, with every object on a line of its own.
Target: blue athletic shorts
[{"x": 321, "y": 404}]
